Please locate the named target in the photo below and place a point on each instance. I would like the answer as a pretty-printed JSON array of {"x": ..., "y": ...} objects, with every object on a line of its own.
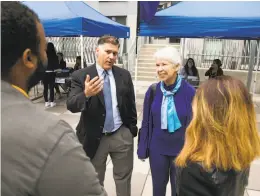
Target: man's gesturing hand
[{"x": 94, "y": 86}]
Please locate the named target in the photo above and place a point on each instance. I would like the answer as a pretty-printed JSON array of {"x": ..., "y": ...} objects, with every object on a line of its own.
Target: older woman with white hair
[{"x": 167, "y": 113}]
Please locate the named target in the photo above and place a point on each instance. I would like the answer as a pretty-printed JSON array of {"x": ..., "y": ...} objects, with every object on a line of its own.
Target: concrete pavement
[{"x": 141, "y": 178}]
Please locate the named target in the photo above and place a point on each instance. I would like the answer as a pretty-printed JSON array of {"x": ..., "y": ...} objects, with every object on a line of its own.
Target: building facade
[{"x": 123, "y": 12}]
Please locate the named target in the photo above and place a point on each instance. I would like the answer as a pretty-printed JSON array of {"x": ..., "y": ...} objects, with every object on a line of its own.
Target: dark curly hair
[
  {"x": 19, "y": 32},
  {"x": 218, "y": 62}
]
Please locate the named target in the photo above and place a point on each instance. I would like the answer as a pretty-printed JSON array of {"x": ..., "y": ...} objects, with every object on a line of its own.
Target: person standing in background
[
  {"x": 62, "y": 65},
  {"x": 49, "y": 76},
  {"x": 215, "y": 69},
  {"x": 104, "y": 94},
  {"x": 40, "y": 154},
  {"x": 62, "y": 62},
  {"x": 77, "y": 66},
  {"x": 190, "y": 70}
]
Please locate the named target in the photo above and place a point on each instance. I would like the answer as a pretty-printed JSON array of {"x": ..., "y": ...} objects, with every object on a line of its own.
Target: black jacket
[
  {"x": 213, "y": 75},
  {"x": 193, "y": 180},
  {"x": 62, "y": 64},
  {"x": 90, "y": 127},
  {"x": 53, "y": 62}
]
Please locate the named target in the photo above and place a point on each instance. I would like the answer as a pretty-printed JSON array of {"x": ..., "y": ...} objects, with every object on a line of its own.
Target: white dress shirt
[{"x": 116, "y": 114}]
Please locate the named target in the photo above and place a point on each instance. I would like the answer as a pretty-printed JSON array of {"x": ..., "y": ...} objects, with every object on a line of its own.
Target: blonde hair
[
  {"x": 223, "y": 131},
  {"x": 170, "y": 54}
]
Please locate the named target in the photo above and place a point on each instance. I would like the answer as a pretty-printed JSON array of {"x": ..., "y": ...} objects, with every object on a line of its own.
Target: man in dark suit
[{"x": 104, "y": 94}]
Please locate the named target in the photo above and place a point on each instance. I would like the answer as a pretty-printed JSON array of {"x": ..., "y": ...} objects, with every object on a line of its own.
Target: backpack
[{"x": 151, "y": 98}]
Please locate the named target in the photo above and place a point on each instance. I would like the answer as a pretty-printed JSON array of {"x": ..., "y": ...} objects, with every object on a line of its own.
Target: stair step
[
  {"x": 141, "y": 74},
  {"x": 160, "y": 45},
  {"x": 145, "y": 56},
  {"x": 145, "y": 73},
  {"x": 146, "y": 59},
  {"x": 146, "y": 65},
  {"x": 146, "y": 53},
  {"x": 152, "y": 72},
  {"x": 145, "y": 69},
  {"x": 149, "y": 48},
  {"x": 151, "y": 60},
  {"x": 146, "y": 78}
]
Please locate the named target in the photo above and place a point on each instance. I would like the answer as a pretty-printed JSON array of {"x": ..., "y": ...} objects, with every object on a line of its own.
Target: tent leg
[
  {"x": 182, "y": 49},
  {"x": 251, "y": 63},
  {"x": 257, "y": 62},
  {"x": 81, "y": 51},
  {"x": 136, "y": 61}
]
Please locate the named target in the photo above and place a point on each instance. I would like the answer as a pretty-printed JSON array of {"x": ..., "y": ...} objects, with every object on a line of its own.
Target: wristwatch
[{"x": 87, "y": 98}]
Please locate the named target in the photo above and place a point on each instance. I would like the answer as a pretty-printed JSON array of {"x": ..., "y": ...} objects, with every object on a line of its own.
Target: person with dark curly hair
[
  {"x": 215, "y": 69},
  {"x": 40, "y": 154}
]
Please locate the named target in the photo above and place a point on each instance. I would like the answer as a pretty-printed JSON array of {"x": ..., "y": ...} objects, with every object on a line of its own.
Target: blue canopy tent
[
  {"x": 224, "y": 20},
  {"x": 229, "y": 20},
  {"x": 75, "y": 18}
]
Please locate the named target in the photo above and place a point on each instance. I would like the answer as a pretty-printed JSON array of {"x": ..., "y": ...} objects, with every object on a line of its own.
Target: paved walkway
[{"x": 141, "y": 179}]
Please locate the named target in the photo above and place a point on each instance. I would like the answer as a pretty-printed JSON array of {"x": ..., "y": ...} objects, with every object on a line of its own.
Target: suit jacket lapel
[
  {"x": 93, "y": 73},
  {"x": 118, "y": 81}
]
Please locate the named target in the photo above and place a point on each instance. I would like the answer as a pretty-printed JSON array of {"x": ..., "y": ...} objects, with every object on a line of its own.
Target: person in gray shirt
[{"x": 40, "y": 154}]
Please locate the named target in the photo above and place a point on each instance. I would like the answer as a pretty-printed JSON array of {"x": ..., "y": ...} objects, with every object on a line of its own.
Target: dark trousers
[
  {"x": 56, "y": 86},
  {"x": 48, "y": 84},
  {"x": 162, "y": 168}
]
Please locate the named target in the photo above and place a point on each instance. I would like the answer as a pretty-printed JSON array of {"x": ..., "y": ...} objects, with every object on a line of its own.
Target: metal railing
[
  {"x": 131, "y": 56},
  {"x": 71, "y": 48},
  {"x": 132, "y": 51},
  {"x": 234, "y": 54}
]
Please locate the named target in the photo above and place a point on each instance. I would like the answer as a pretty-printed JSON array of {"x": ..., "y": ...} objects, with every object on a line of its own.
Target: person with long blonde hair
[{"x": 220, "y": 142}]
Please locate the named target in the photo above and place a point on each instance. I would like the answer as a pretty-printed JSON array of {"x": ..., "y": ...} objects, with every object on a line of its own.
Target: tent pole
[
  {"x": 182, "y": 49},
  {"x": 251, "y": 63},
  {"x": 136, "y": 61},
  {"x": 136, "y": 45},
  {"x": 254, "y": 85},
  {"x": 257, "y": 62},
  {"x": 81, "y": 51}
]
